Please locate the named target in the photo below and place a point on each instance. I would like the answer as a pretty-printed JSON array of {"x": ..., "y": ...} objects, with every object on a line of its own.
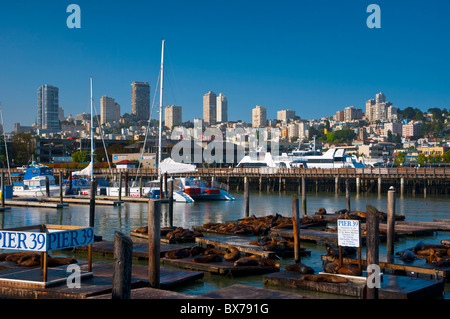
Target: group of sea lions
[
  {"x": 31, "y": 259},
  {"x": 334, "y": 266},
  {"x": 257, "y": 226},
  {"x": 438, "y": 255},
  {"x": 175, "y": 233},
  {"x": 232, "y": 254}
]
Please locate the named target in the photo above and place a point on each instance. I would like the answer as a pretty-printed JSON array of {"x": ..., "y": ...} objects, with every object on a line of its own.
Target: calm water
[{"x": 133, "y": 215}]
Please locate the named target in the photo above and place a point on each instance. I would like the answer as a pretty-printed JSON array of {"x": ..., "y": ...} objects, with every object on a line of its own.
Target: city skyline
[{"x": 314, "y": 59}]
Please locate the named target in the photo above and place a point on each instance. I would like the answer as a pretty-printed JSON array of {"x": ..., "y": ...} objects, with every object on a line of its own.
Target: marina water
[{"x": 133, "y": 215}]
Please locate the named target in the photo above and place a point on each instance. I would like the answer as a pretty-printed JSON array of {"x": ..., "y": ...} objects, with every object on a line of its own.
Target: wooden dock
[
  {"x": 140, "y": 249},
  {"x": 247, "y": 292},
  {"x": 392, "y": 287},
  {"x": 419, "y": 268},
  {"x": 226, "y": 268},
  {"x": 242, "y": 244},
  {"x": 81, "y": 201},
  {"x": 99, "y": 283},
  {"x": 34, "y": 203}
]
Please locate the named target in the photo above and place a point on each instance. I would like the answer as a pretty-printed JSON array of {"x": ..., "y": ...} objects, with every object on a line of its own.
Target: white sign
[
  {"x": 42, "y": 242},
  {"x": 349, "y": 233}
]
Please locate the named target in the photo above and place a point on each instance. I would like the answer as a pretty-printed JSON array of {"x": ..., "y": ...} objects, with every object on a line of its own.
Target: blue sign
[{"x": 54, "y": 239}]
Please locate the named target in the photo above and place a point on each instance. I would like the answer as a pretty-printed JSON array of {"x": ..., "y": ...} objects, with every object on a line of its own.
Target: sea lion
[
  {"x": 196, "y": 250},
  {"x": 208, "y": 258},
  {"x": 14, "y": 257},
  {"x": 347, "y": 269},
  {"x": 33, "y": 260},
  {"x": 407, "y": 256},
  {"x": 321, "y": 211},
  {"x": 232, "y": 255},
  {"x": 248, "y": 261},
  {"x": 177, "y": 254},
  {"x": 331, "y": 251},
  {"x": 325, "y": 278},
  {"x": 300, "y": 268}
]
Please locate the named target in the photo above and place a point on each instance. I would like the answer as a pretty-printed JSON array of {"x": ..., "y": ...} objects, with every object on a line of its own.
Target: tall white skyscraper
[
  {"x": 222, "y": 108},
  {"x": 48, "y": 107}
]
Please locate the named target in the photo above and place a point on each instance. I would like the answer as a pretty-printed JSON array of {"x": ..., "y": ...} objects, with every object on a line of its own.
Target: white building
[{"x": 222, "y": 108}]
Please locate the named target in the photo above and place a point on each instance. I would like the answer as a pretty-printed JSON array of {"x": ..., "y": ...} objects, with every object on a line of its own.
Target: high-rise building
[
  {"x": 209, "y": 108},
  {"x": 48, "y": 107},
  {"x": 222, "y": 108},
  {"x": 172, "y": 116},
  {"x": 285, "y": 115},
  {"x": 259, "y": 116},
  {"x": 377, "y": 110},
  {"x": 140, "y": 100},
  {"x": 109, "y": 110},
  {"x": 340, "y": 116},
  {"x": 351, "y": 113}
]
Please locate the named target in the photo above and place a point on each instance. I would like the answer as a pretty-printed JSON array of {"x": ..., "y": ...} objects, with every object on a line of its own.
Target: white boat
[
  {"x": 263, "y": 159},
  {"x": 333, "y": 158},
  {"x": 34, "y": 182}
]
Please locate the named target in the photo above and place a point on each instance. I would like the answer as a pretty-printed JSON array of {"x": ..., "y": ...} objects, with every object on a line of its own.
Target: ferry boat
[
  {"x": 333, "y": 158},
  {"x": 34, "y": 182}
]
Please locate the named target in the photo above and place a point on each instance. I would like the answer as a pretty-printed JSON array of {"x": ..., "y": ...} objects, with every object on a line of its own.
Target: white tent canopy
[{"x": 169, "y": 166}]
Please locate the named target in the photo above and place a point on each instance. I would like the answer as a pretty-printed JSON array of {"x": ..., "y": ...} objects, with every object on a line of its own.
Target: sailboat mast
[
  {"x": 161, "y": 103},
  {"x": 92, "y": 137}
]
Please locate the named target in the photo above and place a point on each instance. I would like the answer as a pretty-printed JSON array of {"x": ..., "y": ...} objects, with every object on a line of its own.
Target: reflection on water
[{"x": 133, "y": 215}]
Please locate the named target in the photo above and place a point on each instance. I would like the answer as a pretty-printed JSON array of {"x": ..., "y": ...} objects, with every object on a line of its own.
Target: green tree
[
  {"x": 400, "y": 158},
  {"x": 446, "y": 157},
  {"x": 80, "y": 157},
  {"x": 422, "y": 159}
]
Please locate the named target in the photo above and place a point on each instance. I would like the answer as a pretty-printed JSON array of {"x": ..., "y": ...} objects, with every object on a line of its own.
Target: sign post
[{"x": 349, "y": 235}]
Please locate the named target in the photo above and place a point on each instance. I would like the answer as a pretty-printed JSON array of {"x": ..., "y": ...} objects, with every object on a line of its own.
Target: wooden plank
[
  {"x": 392, "y": 287},
  {"x": 247, "y": 292},
  {"x": 430, "y": 225},
  {"x": 82, "y": 201}
]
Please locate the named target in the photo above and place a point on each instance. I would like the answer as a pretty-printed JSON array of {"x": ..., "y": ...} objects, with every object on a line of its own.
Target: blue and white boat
[{"x": 34, "y": 182}]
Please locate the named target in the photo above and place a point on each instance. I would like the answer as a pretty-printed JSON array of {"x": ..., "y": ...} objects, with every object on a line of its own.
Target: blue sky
[{"x": 314, "y": 57}]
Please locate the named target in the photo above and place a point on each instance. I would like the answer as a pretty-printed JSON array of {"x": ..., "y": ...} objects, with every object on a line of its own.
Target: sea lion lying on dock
[
  {"x": 300, "y": 268},
  {"x": 208, "y": 258},
  {"x": 31, "y": 259},
  {"x": 177, "y": 254},
  {"x": 325, "y": 278},
  {"x": 255, "y": 260},
  {"x": 274, "y": 244},
  {"x": 232, "y": 254}
]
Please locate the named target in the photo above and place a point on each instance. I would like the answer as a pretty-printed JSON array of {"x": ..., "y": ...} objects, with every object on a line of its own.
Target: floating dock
[
  {"x": 34, "y": 203},
  {"x": 418, "y": 268},
  {"x": 82, "y": 201},
  {"x": 98, "y": 283},
  {"x": 247, "y": 292},
  {"x": 392, "y": 286},
  {"x": 242, "y": 244},
  {"x": 140, "y": 249}
]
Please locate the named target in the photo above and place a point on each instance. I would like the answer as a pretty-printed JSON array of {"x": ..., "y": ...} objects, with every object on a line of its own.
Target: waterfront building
[
  {"x": 140, "y": 100},
  {"x": 48, "y": 108}
]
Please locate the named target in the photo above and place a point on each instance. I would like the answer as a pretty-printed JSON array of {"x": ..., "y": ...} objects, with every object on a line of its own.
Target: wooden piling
[
  {"x": 304, "y": 196},
  {"x": 358, "y": 185},
  {"x": 347, "y": 194},
  {"x": 47, "y": 186},
  {"x": 154, "y": 237},
  {"x": 296, "y": 228},
  {"x": 3, "y": 189},
  {"x": 60, "y": 187},
  {"x": 390, "y": 224},
  {"x": 123, "y": 252},
  {"x": 92, "y": 203},
  {"x": 171, "y": 203},
  {"x": 165, "y": 186},
  {"x": 372, "y": 246},
  {"x": 247, "y": 197},
  {"x": 126, "y": 184},
  {"x": 120, "y": 186}
]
